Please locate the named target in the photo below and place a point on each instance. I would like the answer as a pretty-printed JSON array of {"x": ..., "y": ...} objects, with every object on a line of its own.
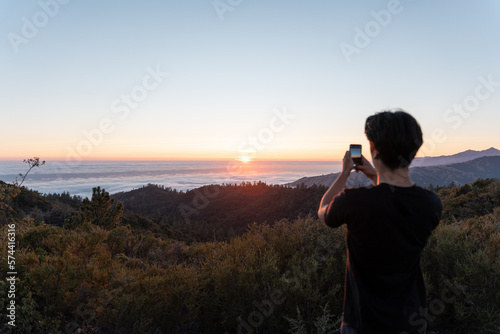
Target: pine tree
[{"x": 101, "y": 210}]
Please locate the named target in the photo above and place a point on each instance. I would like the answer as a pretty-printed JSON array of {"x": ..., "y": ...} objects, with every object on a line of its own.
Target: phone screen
[{"x": 356, "y": 152}]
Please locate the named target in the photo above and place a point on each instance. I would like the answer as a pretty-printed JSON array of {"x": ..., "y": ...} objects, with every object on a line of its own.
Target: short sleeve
[
  {"x": 438, "y": 209},
  {"x": 335, "y": 214}
]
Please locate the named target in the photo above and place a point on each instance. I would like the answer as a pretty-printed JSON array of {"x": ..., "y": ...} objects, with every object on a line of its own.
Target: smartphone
[{"x": 356, "y": 154}]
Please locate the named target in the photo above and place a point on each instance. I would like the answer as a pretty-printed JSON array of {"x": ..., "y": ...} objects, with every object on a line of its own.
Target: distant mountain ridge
[
  {"x": 455, "y": 158},
  {"x": 442, "y": 175}
]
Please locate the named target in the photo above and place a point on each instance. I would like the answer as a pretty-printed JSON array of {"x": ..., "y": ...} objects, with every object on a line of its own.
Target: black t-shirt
[{"x": 387, "y": 228}]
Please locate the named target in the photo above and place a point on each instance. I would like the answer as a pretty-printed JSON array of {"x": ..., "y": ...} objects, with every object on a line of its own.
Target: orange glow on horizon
[
  {"x": 243, "y": 160},
  {"x": 335, "y": 153}
]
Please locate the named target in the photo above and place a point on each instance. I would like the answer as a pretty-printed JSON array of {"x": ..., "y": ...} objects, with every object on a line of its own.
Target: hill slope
[
  {"x": 455, "y": 158},
  {"x": 459, "y": 173}
]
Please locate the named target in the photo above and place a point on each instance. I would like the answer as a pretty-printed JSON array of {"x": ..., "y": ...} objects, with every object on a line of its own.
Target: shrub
[{"x": 274, "y": 278}]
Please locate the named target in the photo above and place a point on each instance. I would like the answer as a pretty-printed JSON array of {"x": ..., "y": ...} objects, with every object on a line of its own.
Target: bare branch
[{"x": 32, "y": 163}]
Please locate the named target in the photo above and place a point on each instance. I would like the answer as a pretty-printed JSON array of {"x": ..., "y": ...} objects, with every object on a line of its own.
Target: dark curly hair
[{"x": 396, "y": 135}]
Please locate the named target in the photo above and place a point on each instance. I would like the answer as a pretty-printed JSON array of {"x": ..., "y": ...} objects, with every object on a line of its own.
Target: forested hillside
[{"x": 162, "y": 261}]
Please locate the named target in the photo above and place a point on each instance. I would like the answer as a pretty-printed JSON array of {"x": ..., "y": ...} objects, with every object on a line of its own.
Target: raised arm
[{"x": 337, "y": 186}]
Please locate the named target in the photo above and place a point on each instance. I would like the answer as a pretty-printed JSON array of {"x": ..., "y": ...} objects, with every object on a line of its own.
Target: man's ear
[{"x": 373, "y": 150}]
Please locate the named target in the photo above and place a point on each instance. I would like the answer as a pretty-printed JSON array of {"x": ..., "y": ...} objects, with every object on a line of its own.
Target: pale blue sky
[{"x": 227, "y": 76}]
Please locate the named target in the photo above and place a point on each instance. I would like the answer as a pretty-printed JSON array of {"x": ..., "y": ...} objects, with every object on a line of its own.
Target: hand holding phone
[{"x": 355, "y": 150}]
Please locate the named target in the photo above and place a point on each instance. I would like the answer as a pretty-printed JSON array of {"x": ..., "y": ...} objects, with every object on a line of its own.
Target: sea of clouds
[{"x": 115, "y": 176}]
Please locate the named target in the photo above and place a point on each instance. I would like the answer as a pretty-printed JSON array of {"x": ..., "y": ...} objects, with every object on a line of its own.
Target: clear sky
[{"x": 274, "y": 79}]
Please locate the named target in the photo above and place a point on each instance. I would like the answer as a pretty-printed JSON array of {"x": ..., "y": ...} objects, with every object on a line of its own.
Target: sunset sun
[{"x": 245, "y": 159}]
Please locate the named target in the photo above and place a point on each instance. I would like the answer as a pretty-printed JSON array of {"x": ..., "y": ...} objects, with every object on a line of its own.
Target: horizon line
[
  {"x": 56, "y": 159},
  {"x": 170, "y": 160}
]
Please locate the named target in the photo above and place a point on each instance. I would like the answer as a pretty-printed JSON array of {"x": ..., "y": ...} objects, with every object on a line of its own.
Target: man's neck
[{"x": 399, "y": 177}]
